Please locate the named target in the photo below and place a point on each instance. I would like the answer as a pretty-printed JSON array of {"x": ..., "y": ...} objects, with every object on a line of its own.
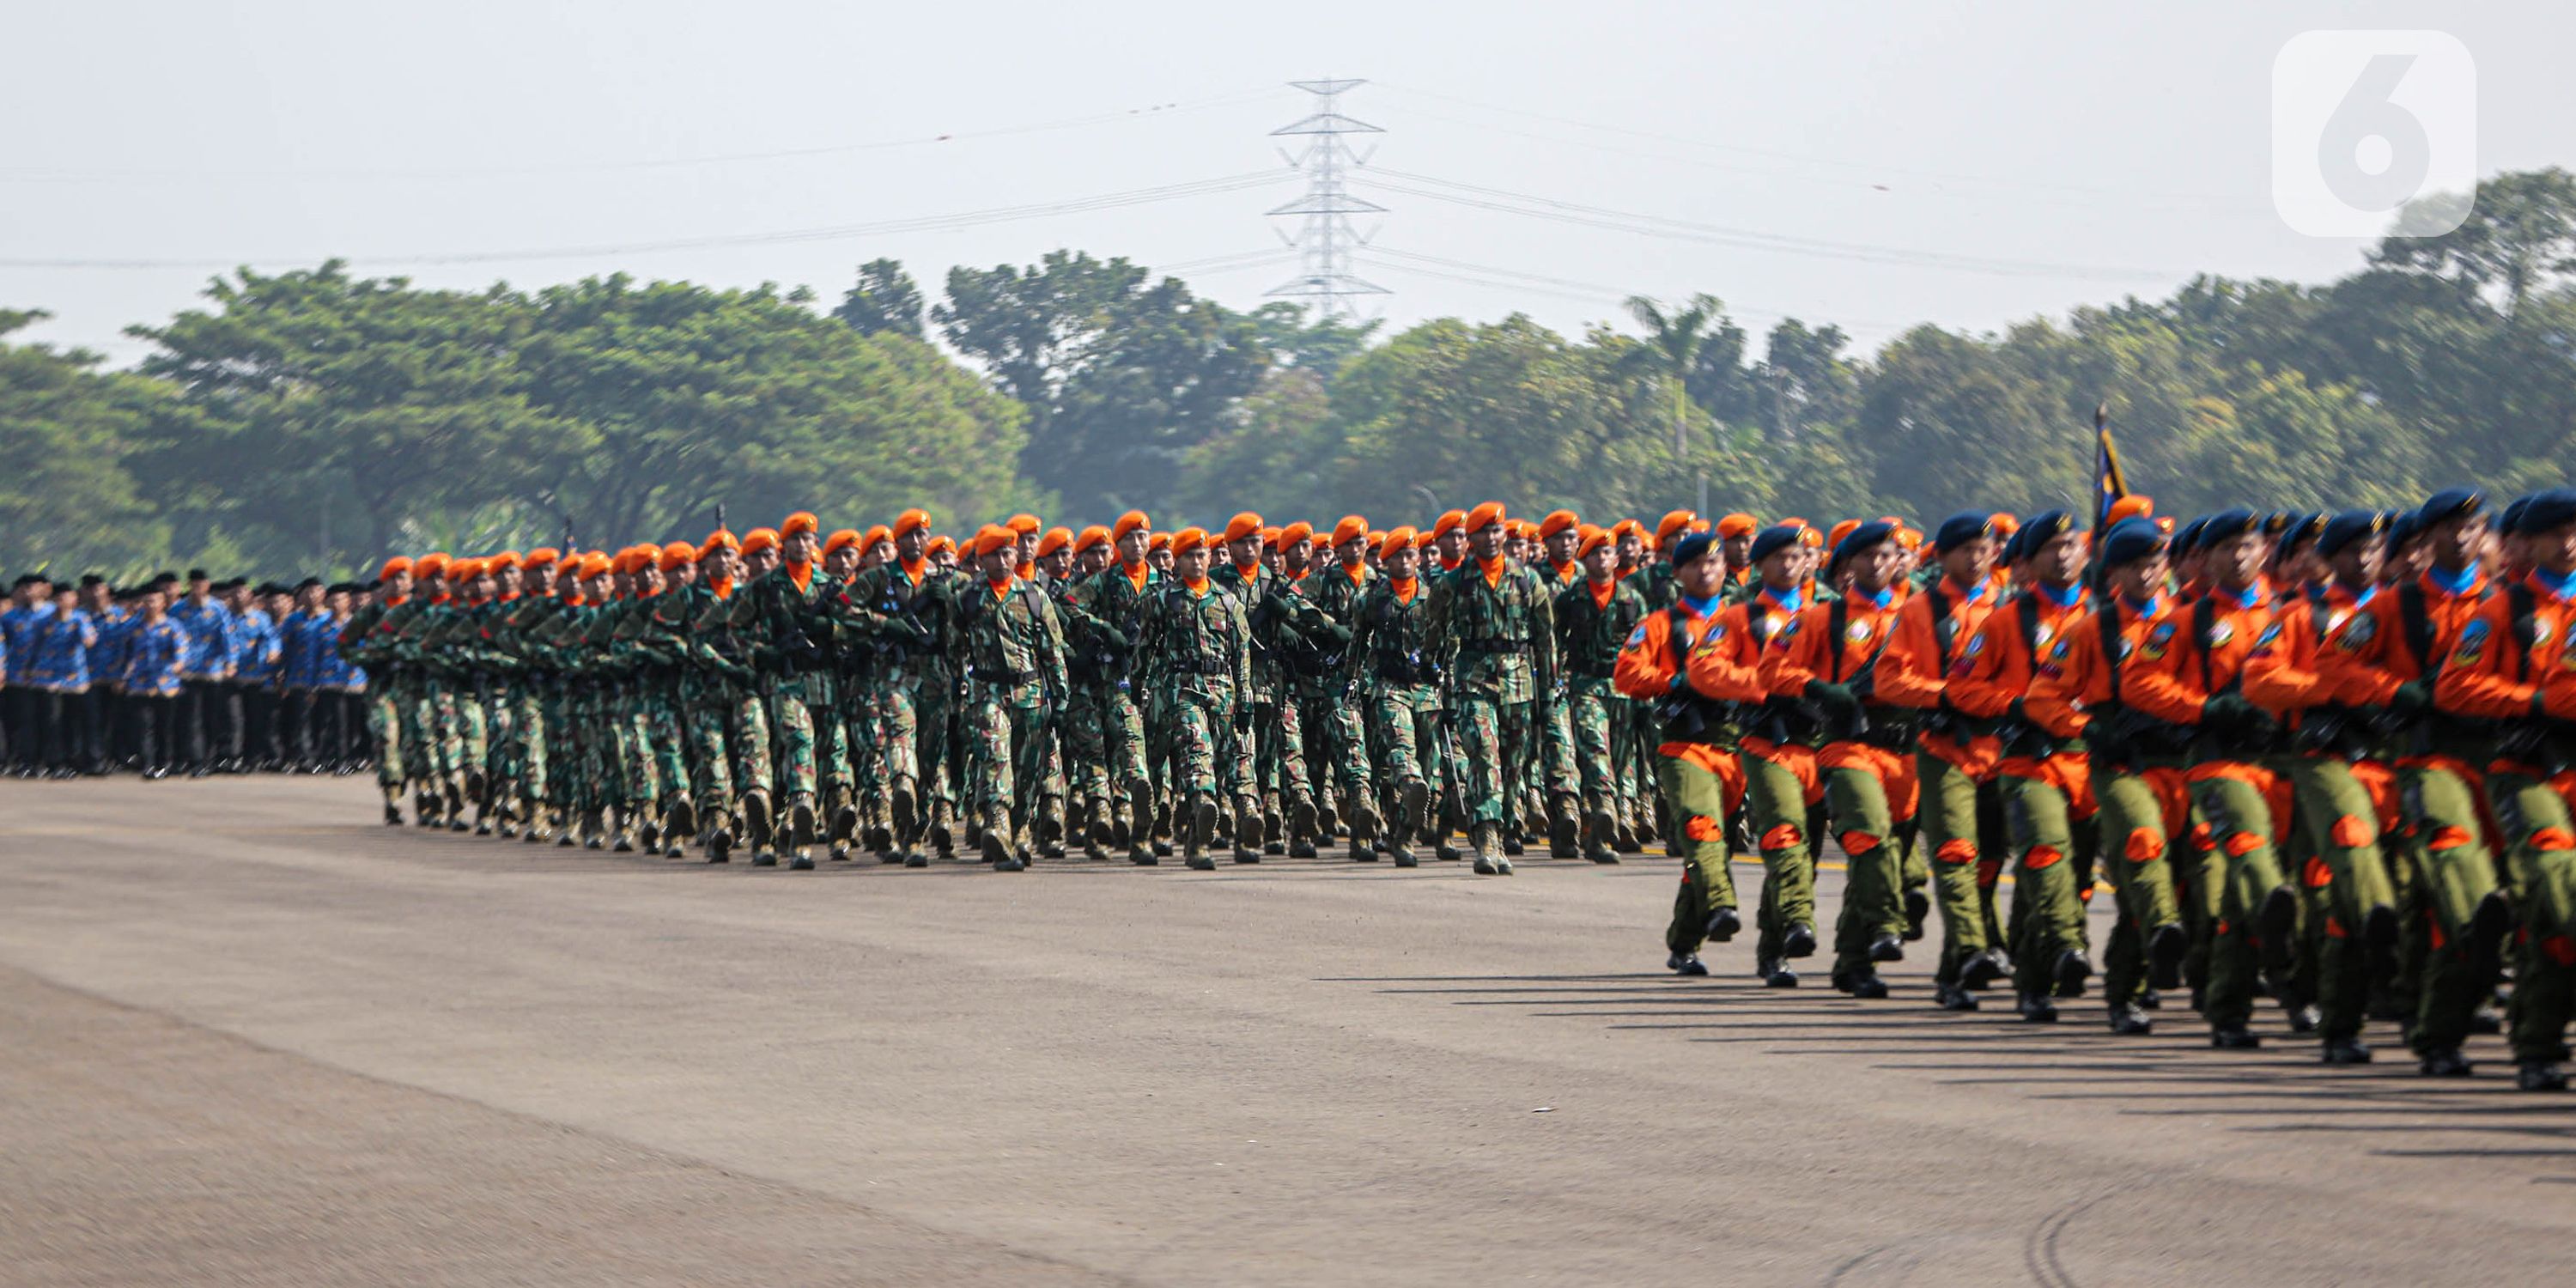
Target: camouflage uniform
[
  {"x": 1197, "y": 655},
  {"x": 1590, "y": 631},
  {"x": 1390, "y": 659},
  {"x": 1010, "y": 645},
  {"x": 1496, "y": 643},
  {"x": 1116, "y": 605}
]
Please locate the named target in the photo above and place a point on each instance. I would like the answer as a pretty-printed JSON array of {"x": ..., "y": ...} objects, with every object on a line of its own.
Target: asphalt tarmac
[{"x": 250, "y": 1036}]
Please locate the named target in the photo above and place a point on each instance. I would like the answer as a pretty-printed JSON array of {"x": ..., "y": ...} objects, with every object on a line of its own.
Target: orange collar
[
  {"x": 913, "y": 568},
  {"x": 1404, "y": 588},
  {"x": 1493, "y": 570},
  {"x": 1002, "y": 587},
  {"x": 802, "y": 574},
  {"x": 1602, "y": 591},
  {"x": 1198, "y": 588},
  {"x": 1137, "y": 572}
]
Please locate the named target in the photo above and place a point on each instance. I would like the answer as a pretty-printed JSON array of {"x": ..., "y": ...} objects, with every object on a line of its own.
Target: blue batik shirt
[
  {"x": 156, "y": 658},
  {"x": 208, "y": 629},
  {"x": 58, "y": 653}
]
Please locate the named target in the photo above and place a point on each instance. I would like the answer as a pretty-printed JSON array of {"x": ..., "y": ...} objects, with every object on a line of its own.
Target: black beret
[
  {"x": 1960, "y": 529},
  {"x": 1770, "y": 540},
  {"x": 198, "y": 574},
  {"x": 2131, "y": 540},
  {"x": 2349, "y": 527},
  {"x": 2450, "y": 503},
  {"x": 307, "y": 584},
  {"x": 2547, "y": 512}
]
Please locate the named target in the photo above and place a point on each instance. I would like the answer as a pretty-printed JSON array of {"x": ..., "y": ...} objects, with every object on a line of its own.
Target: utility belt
[
  {"x": 1495, "y": 648},
  {"x": 1688, "y": 717},
  {"x": 2549, "y": 746},
  {"x": 2123, "y": 739}
]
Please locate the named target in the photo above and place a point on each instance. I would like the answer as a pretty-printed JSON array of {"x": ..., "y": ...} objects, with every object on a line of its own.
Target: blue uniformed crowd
[{"x": 177, "y": 675}]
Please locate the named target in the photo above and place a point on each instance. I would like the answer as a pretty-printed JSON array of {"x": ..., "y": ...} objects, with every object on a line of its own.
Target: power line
[
  {"x": 580, "y": 165},
  {"x": 1568, "y": 286},
  {"x": 2206, "y": 199},
  {"x": 1537, "y": 207},
  {"x": 841, "y": 232}
]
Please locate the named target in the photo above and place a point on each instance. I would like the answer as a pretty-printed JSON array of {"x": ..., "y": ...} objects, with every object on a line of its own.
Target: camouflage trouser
[
  {"x": 1596, "y": 722},
  {"x": 791, "y": 725},
  {"x": 1554, "y": 767},
  {"x": 1336, "y": 742},
  {"x": 501, "y": 748},
  {"x": 528, "y": 749},
  {"x": 473, "y": 735},
  {"x": 1403, "y": 725},
  {"x": 1007, "y": 724},
  {"x": 1083, "y": 743},
  {"x": 384, "y": 726},
  {"x": 1205, "y": 753},
  {"x": 563, "y": 753},
  {"x": 599, "y": 782},
  {"x": 1493, "y": 739},
  {"x": 1122, "y": 733},
  {"x": 1279, "y": 746},
  {"x": 714, "y": 781},
  {"x": 644, "y": 780},
  {"x": 893, "y": 698},
  {"x": 751, "y": 744}
]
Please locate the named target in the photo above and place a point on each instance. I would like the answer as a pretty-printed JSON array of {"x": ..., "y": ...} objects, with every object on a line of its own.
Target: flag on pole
[{"x": 2109, "y": 483}]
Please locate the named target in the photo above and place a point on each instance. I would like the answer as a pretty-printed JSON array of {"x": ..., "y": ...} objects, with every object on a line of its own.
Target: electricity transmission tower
[{"x": 1325, "y": 236}]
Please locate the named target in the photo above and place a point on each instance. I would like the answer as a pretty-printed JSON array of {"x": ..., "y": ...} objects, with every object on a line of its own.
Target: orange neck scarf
[
  {"x": 1002, "y": 587},
  {"x": 1602, "y": 591},
  {"x": 1198, "y": 586},
  {"x": 914, "y": 568},
  {"x": 1493, "y": 570},
  {"x": 802, "y": 574},
  {"x": 1137, "y": 572},
  {"x": 722, "y": 587},
  {"x": 1404, "y": 588}
]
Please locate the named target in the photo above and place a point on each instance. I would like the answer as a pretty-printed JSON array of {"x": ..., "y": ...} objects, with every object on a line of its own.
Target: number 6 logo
[{"x": 2365, "y": 123}]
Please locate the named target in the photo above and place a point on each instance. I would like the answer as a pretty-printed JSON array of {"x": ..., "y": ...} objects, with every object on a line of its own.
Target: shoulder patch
[
  {"x": 2358, "y": 633},
  {"x": 2270, "y": 633},
  {"x": 2472, "y": 645},
  {"x": 1976, "y": 645},
  {"x": 2221, "y": 632},
  {"x": 1857, "y": 632},
  {"x": 1637, "y": 636}
]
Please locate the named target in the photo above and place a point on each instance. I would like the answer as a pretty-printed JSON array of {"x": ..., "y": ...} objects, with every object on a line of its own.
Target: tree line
[{"x": 317, "y": 418}]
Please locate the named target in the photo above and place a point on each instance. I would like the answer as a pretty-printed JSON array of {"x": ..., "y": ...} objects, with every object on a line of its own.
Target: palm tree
[{"x": 1677, "y": 339}]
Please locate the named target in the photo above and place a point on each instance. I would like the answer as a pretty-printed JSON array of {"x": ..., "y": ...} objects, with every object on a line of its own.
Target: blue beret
[
  {"x": 2303, "y": 527},
  {"x": 2189, "y": 537},
  {"x": 2511, "y": 515},
  {"x": 2450, "y": 503},
  {"x": 1769, "y": 541},
  {"x": 1693, "y": 546},
  {"x": 2546, "y": 512},
  {"x": 2349, "y": 527},
  {"x": 1875, "y": 532},
  {"x": 2224, "y": 524},
  {"x": 2037, "y": 531},
  {"x": 1960, "y": 529},
  {"x": 2131, "y": 540},
  {"x": 2403, "y": 527}
]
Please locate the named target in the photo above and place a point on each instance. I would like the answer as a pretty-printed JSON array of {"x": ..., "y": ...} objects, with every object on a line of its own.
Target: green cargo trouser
[
  {"x": 2453, "y": 871},
  {"x": 1008, "y": 724},
  {"x": 1205, "y": 754},
  {"x": 384, "y": 723},
  {"x": 2141, "y": 852},
  {"x": 2340, "y": 824},
  {"x": 1700, "y": 800},
  {"x": 1863, "y": 822},
  {"x": 1783, "y": 825},
  {"x": 2053, "y": 865},
  {"x": 1953, "y": 805},
  {"x": 2540, "y": 842},
  {"x": 1493, "y": 738},
  {"x": 2240, "y": 827}
]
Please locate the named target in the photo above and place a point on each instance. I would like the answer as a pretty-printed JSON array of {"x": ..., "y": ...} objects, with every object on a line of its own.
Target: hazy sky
[{"x": 1966, "y": 164}]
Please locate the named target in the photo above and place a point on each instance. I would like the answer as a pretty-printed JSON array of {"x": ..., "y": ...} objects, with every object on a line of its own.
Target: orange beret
[
  {"x": 1625, "y": 526},
  {"x": 1022, "y": 524},
  {"x": 1351, "y": 528},
  {"x": 1297, "y": 533},
  {"x": 909, "y": 520},
  {"x": 1396, "y": 538},
  {"x": 1424, "y": 541},
  {"x": 1131, "y": 521},
  {"x": 677, "y": 553},
  {"x": 1672, "y": 522},
  {"x": 1189, "y": 539},
  {"x": 1908, "y": 537},
  {"x": 1809, "y": 537},
  {"x": 801, "y": 521},
  {"x": 840, "y": 537},
  {"x": 1158, "y": 541},
  {"x": 433, "y": 564},
  {"x": 1246, "y": 524},
  {"x": 2005, "y": 522},
  {"x": 1738, "y": 525},
  {"x": 1841, "y": 530},
  {"x": 1093, "y": 535},
  {"x": 1055, "y": 539},
  {"x": 1593, "y": 539},
  {"x": 938, "y": 544},
  {"x": 1484, "y": 516},
  {"x": 1377, "y": 536},
  {"x": 397, "y": 564},
  {"x": 759, "y": 539},
  {"x": 505, "y": 559},
  {"x": 987, "y": 539},
  {"x": 876, "y": 532},
  {"x": 2136, "y": 505},
  {"x": 1447, "y": 520},
  {"x": 594, "y": 564},
  {"x": 541, "y": 557},
  {"x": 1557, "y": 521}
]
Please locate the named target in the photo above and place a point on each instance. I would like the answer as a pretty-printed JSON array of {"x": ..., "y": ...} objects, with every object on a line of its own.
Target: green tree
[
  {"x": 2518, "y": 236},
  {"x": 1674, "y": 339},
  {"x": 67, "y": 500},
  {"x": 883, "y": 299}
]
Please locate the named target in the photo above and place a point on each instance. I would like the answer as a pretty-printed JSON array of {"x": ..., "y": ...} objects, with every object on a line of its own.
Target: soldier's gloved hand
[
  {"x": 2228, "y": 712},
  {"x": 1838, "y": 700},
  {"x": 2413, "y": 698}
]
